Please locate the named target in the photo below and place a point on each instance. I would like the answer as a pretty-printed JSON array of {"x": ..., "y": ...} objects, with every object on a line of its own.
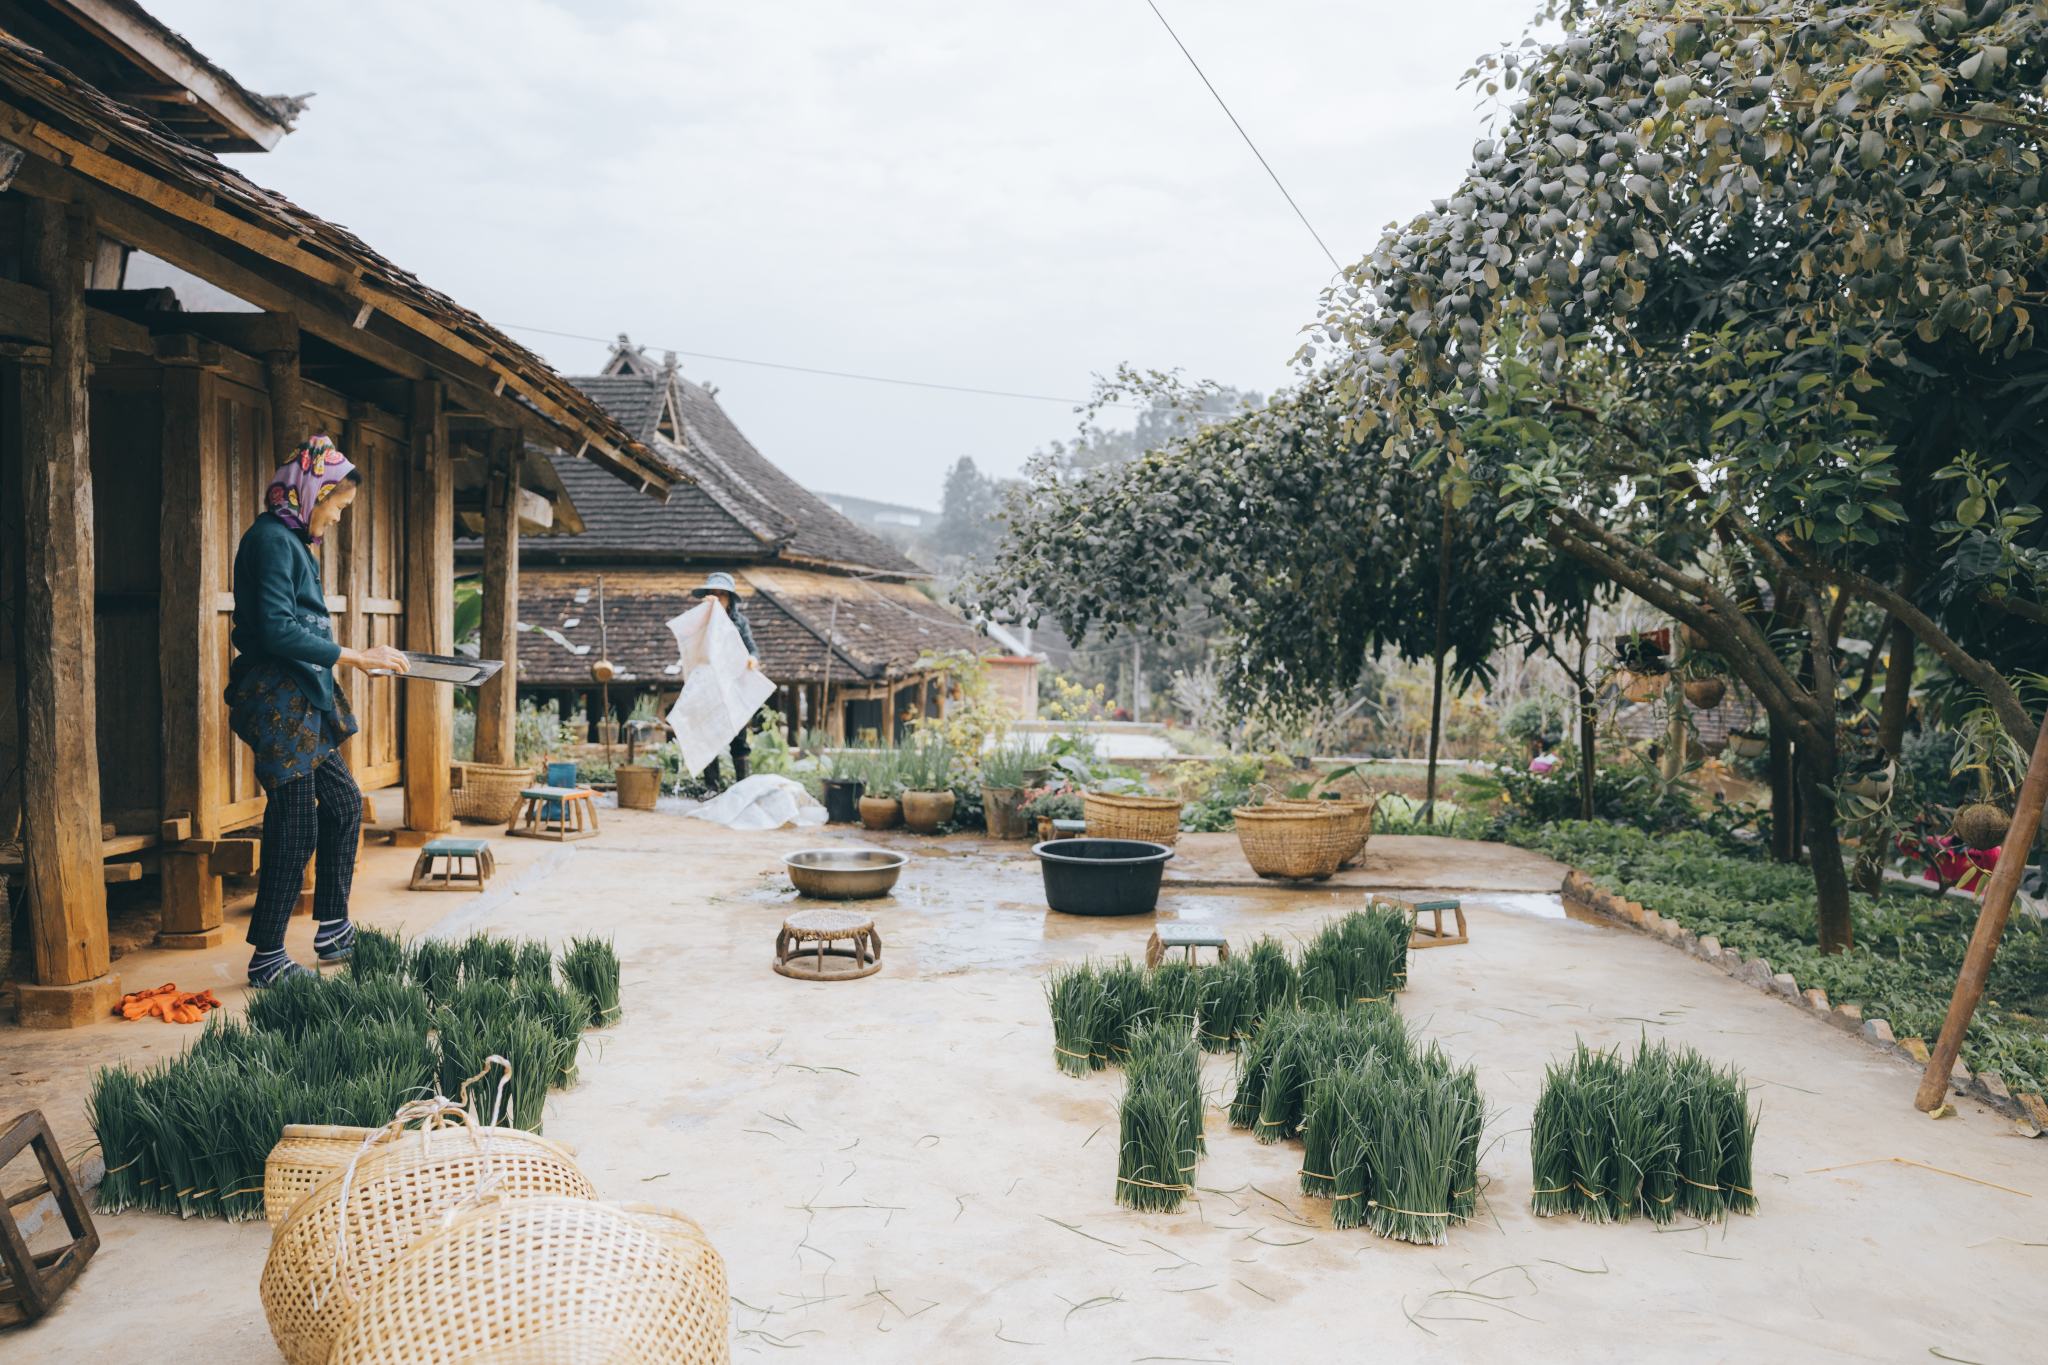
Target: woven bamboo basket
[
  {"x": 1294, "y": 843},
  {"x": 327, "y": 1253},
  {"x": 528, "y": 1281},
  {"x": 686, "y": 1239},
  {"x": 310, "y": 1152},
  {"x": 1154, "y": 819},
  {"x": 1358, "y": 813},
  {"x": 489, "y": 793}
]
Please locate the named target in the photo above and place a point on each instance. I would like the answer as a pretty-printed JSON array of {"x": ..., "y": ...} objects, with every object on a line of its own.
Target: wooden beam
[
  {"x": 497, "y": 701},
  {"x": 429, "y": 610},
  {"x": 187, "y": 619},
  {"x": 139, "y": 39},
  {"x": 67, "y": 900},
  {"x": 464, "y": 360}
]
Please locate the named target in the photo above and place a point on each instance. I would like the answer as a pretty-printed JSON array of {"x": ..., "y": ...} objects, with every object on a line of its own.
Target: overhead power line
[
  {"x": 1247, "y": 138},
  {"x": 806, "y": 369}
]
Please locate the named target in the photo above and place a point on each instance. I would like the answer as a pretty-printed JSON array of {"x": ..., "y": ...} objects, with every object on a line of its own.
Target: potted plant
[
  {"x": 881, "y": 804},
  {"x": 1642, "y": 671},
  {"x": 928, "y": 795},
  {"x": 1002, "y": 790},
  {"x": 1748, "y": 743},
  {"x": 842, "y": 783},
  {"x": 1049, "y": 804}
]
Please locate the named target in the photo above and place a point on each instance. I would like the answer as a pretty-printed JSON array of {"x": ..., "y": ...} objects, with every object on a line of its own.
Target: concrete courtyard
[{"x": 894, "y": 1170}]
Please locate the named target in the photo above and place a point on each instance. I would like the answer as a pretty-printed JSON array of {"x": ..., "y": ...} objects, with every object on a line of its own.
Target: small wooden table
[
  {"x": 558, "y": 813},
  {"x": 810, "y": 934},
  {"x": 454, "y": 877},
  {"x": 1167, "y": 937},
  {"x": 1433, "y": 937}
]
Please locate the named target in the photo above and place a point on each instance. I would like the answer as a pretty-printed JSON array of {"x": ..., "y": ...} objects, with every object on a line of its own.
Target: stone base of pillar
[
  {"x": 205, "y": 938},
  {"x": 79, "y": 1006}
]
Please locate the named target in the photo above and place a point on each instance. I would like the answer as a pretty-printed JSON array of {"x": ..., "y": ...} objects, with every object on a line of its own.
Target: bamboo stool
[
  {"x": 810, "y": 933},
  {"x": 1167, "y": 937},
  {"x": 1435, "y": 937},
  {"x": 453, "y": 853},
  {"x": 29, "y": 1283},
  {"x": 558, "y": 813}
]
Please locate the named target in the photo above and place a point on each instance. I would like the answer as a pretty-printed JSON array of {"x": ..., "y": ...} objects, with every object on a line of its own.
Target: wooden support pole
[
  {"x": 497, "y": 701},
  {"x": 429, "y": 611},
  {"x": 189, "y": 655},
  {"x": 67, "y": 899},
  {"x": 2005, "y": 880},
  {"x": 287, "y": 400}
]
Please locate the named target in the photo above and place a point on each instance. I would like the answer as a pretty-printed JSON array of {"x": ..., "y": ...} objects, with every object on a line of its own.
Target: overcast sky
[{"x": 995, "y": 195}]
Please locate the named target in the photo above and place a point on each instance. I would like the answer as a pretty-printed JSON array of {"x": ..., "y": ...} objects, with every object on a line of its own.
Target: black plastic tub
[
  {"x": 842, "y": 800},
  {"x": 1102, "y": 876}
]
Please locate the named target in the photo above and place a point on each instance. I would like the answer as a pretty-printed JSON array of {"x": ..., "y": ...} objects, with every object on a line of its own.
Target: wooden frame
[{"x": 33, "y": 1282}]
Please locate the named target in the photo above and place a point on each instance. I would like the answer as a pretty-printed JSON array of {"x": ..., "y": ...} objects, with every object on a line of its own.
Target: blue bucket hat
[{"x": 718, "y": 582}]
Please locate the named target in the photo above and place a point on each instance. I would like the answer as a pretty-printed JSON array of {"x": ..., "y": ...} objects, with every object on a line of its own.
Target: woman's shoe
[{"x": 268, "y": 969}]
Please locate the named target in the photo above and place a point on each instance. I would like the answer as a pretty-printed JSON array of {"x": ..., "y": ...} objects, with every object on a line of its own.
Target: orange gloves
[{"x": 169, "y": 1003}]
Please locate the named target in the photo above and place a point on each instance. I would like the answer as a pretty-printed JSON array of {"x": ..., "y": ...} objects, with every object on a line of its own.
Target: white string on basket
[{"x": 434, "y": 1111}]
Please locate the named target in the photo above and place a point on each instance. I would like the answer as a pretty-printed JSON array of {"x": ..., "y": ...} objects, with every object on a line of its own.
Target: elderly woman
[{"x": 283, "y": 703}]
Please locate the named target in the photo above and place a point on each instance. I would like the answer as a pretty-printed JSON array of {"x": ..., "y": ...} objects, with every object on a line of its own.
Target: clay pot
[
  {"x": 1706, "y": 693},
  {"x": 881, "y": 812},
  {"x": 999, "y": 809},
  {"x": 842, "y": 799},
  {"x": 1748, "y": 745},
  {"x": 1981, "y": 826},
  {"x": 1642, "y": 686},
  {"x": 924, "y": 812}
]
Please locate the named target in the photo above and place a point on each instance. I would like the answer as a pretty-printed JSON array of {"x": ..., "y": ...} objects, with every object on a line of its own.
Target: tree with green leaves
[{"x": 1735, "y": 312}]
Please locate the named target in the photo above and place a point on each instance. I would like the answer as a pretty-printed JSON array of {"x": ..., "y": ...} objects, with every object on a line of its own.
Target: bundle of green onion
[
  {"x": 1663, "y": 1134},
  {"x": 1159, "y": 1120}
]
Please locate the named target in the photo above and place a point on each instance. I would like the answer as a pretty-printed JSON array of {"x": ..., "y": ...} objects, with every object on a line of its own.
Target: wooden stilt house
[
  {"x": 136, "y": 439},
  {"x": 835, "y": 610}
]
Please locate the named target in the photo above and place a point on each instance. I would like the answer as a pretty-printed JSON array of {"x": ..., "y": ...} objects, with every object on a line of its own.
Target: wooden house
[
  {"x": 834, "y": 609},
  {"x": 136, "y": 439}
]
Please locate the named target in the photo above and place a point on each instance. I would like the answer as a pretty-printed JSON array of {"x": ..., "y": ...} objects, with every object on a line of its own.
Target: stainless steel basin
[{"x": 844, "y": 874}]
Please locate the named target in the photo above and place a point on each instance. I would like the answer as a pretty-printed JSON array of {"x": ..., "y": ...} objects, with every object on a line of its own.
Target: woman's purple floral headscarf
[{"x": 304, "y": 480}]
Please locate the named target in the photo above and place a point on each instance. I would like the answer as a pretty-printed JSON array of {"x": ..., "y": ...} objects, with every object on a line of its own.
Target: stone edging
[{"x": 1987, "y": 1088}]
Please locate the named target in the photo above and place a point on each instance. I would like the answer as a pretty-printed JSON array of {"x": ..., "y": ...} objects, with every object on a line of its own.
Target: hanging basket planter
[
  {"x": 1642, "y": 687},
  {"x": 1872, "y": 786},
  {"x": 1706, "y": 693},
  {"x": 1981, "y": 826},
  {"x": 1743, "y": 744}
]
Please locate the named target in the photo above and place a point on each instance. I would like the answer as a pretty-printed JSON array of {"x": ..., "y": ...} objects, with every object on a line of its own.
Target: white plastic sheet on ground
[
  {"x": 763, "y": 801},
  {"x": 720, "y": 693}
]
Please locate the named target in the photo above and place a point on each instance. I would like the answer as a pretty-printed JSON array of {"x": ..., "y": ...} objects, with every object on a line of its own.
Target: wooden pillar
[
  {"x": 190, "y": 663},
  {"x": 429, "y": 611},
  {"x": 497, "y": 701},
  {"x": 287, "y": 397},
  {"x": 67, "y": 900}
]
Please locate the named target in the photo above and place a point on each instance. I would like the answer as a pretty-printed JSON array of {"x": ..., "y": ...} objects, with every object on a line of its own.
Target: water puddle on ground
[{"x": 985, "y": 909}]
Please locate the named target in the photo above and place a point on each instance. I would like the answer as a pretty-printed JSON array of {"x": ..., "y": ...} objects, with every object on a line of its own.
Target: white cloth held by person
[
  {"x": 763, "y": 801},
  {"x": 720, "y": 692}
]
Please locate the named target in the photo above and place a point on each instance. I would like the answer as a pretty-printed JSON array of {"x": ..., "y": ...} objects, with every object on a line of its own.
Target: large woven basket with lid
[
  {"x": 310, "y": 1152},
  {"x": 527, "y": 1281},
  {"x": 363, "y": 1216}
]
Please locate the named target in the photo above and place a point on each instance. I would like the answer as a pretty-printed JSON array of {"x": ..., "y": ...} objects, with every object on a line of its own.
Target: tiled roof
[
  {"x": 741, "y": 504},
  {"x": 879, "y": 628}
]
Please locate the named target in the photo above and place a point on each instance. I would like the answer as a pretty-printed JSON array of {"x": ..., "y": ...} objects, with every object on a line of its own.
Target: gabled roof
[
  {"x": 130, "y": 54},
  {"x": 740, "y": 505},
  {"x": 877, "y": 630}
]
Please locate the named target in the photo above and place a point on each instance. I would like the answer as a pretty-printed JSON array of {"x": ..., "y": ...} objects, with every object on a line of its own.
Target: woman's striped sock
[{"x": 335, "y": 940}]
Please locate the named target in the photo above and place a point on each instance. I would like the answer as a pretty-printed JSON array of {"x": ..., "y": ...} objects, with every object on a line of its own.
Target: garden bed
[{"x": 1909, "y": 944}]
